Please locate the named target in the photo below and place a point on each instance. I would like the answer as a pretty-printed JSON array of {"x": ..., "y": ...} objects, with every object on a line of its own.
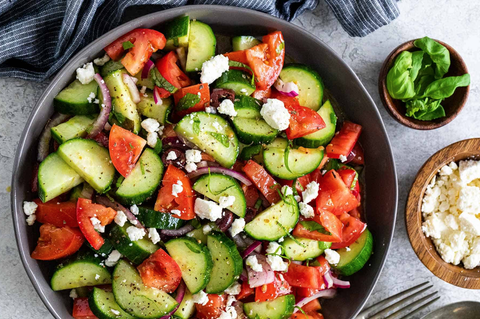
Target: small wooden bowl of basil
[{"x": 427, "y": 87}]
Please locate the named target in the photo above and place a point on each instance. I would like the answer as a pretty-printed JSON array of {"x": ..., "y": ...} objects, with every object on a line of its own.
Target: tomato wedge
[
  {"x": 145, "y": 42},
  {"x": 303, "y": 276},
  {"x": 246, "y": 291},
  {"x": 168, "y": 68},
  {"x": 57, "y": 242},
  {"x": 238, "y": 56},
  {"x": 86, "y": 210},
  {"x": 125, "y": 148},
  {"x": 160, "y": 271},
  {"x": 214, "y": 307},
  {"x": 201, "y": 90},
  {"x": 81, "y": 309},
  {"x": 184, "y": 201},
  {"x": 334, "y": 196},
  {"x": 264, "y": 181},
  {"x": 261, "y": 94},
  {"x": 303, "y": 121},
  {"x": 343, "y": 142},
  {"x": 307, "y": 315},
  {"x": 161, "y": 92},
  {"x": 313, "y": 305},
  {"x": 272, "y": 290},
  {"x": 352, "y": 229},
  {"x": 266, "y": 59},
  {"x": 329, "y": 221},
  {"x": 323, "y": 265},
  {"x": 57, "y": 213}
]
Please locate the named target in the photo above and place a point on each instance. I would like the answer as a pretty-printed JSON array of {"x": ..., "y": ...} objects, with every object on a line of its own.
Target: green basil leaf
[
  {"x": 119, "y": 181},
  {"x": 437, "y": 113},
  {"x": 313, "y": 226},
  {"x": 127, "y": 45},
  {"x": 196, "y": 125},
  {"x": 425, "y": 109},
  {"x": 280, "y": 47},
  {"x": 444, "y": 88},
  {"x": 193, "y": 249},
  {"x": 160, "y": 81},
  {"x": 119, "y": 117},
  {"x": 417, "y": 59},
  {"x": 222, "y": 138},
  {"x": 437, "y": 52},
  {"x": 422, "y": 83},
  {"x": 158, "y": 146},
  {"x": 285, "y": 157},
  {"x": 187, "y": 101},
  {"x": 399, "y": 83},
  {"x": 236, "y": 64},
  {"x": 195, "y": 223}
]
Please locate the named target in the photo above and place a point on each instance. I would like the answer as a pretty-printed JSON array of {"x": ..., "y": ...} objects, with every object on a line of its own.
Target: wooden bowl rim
[
  {"x": 423, "y": 246},
  {"x": 386, "y": 99}
]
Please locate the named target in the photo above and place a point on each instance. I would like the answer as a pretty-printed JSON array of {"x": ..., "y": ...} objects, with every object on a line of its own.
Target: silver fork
[{"x": 407, "y": 303}]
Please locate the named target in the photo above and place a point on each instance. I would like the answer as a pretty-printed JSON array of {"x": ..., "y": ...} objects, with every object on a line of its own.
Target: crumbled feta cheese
[
  {"x": 150, "y": 125},
  {"x": 73, "y": 294},
  {"x": 135, "y": 233},
  {"x": 29, "y": 208},
  {"x": 281, "y": 239},
  {"x": 207, "y": 209},
  {"x": 226, "y": 201},
  {"x": 343, "y": 158},
  {"x": 275, "y": 114},
  {"x": 134, "y": 209},
  {"x": 311, "y": 192},
  {"x": 31, "y": 219},
  {"x": 91, "y": 97},
  {"x": 171, "y": 156},
  {"x": 469, "y": 171},
  {"x": 86, "y": 73},
  {"x": 287, "y": 190},
  {"x": 210, "y": 109},
  {"x": 469, "y": 223},
  {"x": 237, "y": 226},
  {"x": 468, "y": 199},
  {"x": 177, "y": 189},
  {"x": 190, "y": 167},
  {"x": 227, "y": 108},
  {"x": 332, "y": 256},
  {"x": 234, "y": 289},
  {"x": 176, "y": 212},
  {"x": 193, "y": 156},
  {"x": 297, "y": 198},
  {"x": 274, "y": 248},
  {"x": 276, "y": 262},
  {"x": 229, "y": 313},
  {"x": 120, "y": 218},
  {"x": 201, "y": 298},
  {"x": 115, "y": 312},
  {"x": 97, "y": 225},
  {"x": 207, "y": 229},
  {"x": 306, "y": 210},
  {"x": 243, "y": 90},
  {"x": 113, "y": 258},
  {"x": 97, "y": 276},
  {"x": 101, "y": 61},
  {"x": 213, "y": 68},
  {"x": 153, "y": 235},
  {"x": 152, "y": 139},
  {"x": 252, "y": 262}
]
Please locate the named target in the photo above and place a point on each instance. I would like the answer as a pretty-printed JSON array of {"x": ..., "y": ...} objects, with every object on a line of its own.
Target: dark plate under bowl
[{"x": 343, "y": 84}]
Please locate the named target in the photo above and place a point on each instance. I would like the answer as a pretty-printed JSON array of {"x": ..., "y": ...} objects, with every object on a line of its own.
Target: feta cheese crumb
[
  {"x": 243, "y": 90},
  {"x": 150, "y": 125},
  {"x": 275, "y": 114},
  {"x": 297, "y": 198},
  {"x": 177, "y": 189},
  {"x": 201, "y": 298},
  {"x": 134, "y": 209},
  {"x": 31, "y": 219},
  {"x": 311, "y": 192},
  {"x": 176, "y": 212},
  {"x": 227, "y": 108},
  {"x": 211, "y": 110},
  {"x": 281, "y": 239},
  {"x": 207, "y": 229},
  {"x": 115, "y": 312},
  {"x": 207, "y": 209},
  {"x": 252, "y": 262},
  {"x": 113, "y": 258},
  {"x": 135, "y": 233},
  {"x": 190, "y": 167},
  {"x": 171, "y": 156},
  {"x": 194, "y": 156},
  {"x": 287, "y": 190},
  {"x": 29, "y": 208},
  {"x": 153, "y": 235},
  {"x": 97, "y": 225},
  {"x": 226, "y": 201},
  {"x": 306, "y": 210},
  {"x": 213, "y": 68},
  {"x": 86, "y": 73},
  {"x": 234, "y": 289},
  {"x": 237, "y": 226},
  {"x": 343, "y": 158},
  {"x": 91, "y": 97},
  {"x": 152, "y": 139},
  {"x": 97, "y": 276},
  {"x": 101, "y": 61},
  {"x": 332, "y": 256},
  {"x": 276, "y": 262},
  {"x": 120, "y": 218},
  {"x": 73, "y": 294}
]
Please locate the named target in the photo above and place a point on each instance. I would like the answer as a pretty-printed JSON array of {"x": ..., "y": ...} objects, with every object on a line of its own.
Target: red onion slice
[
  {"x": 179, "y": 298},
  {"x": 46, "y": 136},
  {"x": 328, "y": 279},
  {"x": 327, "y": 293},
  {"x": 102, "y": 118},
  {"x": 205, "y": 170},
  {"x": 156, "y": 96},
  {"x": 177, "y": 232},
  {"x": 257, "y": 279},
  {"x": 105, "y": 201},
  {"x": 146, "y": 69},
  {"x": 132, "y": 87},
  {"x": 287, "y": 89},
  {"x": 251, "y": 248},
  {"x": 343, "y": 284}
]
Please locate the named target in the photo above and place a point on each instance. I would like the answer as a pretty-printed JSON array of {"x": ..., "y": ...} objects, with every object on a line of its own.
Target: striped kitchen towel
[{"x": 37, "y": 37}]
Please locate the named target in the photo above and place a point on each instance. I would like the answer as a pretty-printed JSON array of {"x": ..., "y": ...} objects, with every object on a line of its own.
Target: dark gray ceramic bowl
[{"x": 343, "y": 84}]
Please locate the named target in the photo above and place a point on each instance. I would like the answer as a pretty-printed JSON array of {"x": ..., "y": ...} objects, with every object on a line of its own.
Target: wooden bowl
[
  {"x": 423, "y": 246},
  {"x": 453, "y": 105}
]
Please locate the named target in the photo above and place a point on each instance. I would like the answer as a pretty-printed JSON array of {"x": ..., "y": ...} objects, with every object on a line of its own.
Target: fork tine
[
  {"x": 397, "y": 314},
  {"x": 408, "y": 315},
  {"x": 376, "y": 307}
]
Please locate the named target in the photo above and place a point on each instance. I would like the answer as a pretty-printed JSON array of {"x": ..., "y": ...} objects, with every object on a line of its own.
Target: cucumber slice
[
  {"x": 215, "y": 185},
  {"x": 280, "y": 308},
  {"x": 300, "y": 161},
  {"x": 198, "y": 235},
  {"x": 105, "y": 250},
  {"x": 83, "y": 270},
  {"x": 309, "y": 82},
  {"x": 354, "y": 259},
  {"x": 137, "y": 299},
  {"x": 152, "y": 219},
  {"x": 194, "y": 260},
  {"x": 239, "y": 81},
  {"x": 111, "y": 66},
  {"x": 103, "y": 305},
  {"x": 308, "y": 249},
  {"x": 250, "y": 151},
  {"x": 55, "y": 177},
  {"x": 148, "y": 82},
  {"x": 90, "y": 160},
  {"x": 325, "y": 135},
  {"x": 227, "y": 262},
  {"x": 279, "y": 142},
  {"x": 244, "y": 42},
  {"x": 187, "y": 307},
  {"x": 212, "y": 134},
  {"x": 74, "y": 99},
  {"x": 122, "y": 101},
  {"x": 201, "y": 45},
  {"x": 177, "y": 33},
  {"x": 136, "y": 251},
  {"x": 247, "y": 107},
  {"x": 143, "y": 180},
  {"x": 275, "y": 221},
  {"x": 77, "y": 126},
  {"x": 147, "y": 107}
]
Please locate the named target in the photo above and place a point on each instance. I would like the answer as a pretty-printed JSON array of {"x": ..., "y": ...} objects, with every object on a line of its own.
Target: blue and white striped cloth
[{"x": 37, "y": 37}]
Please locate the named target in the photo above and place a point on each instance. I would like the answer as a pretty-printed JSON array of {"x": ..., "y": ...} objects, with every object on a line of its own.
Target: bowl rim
[
  {"x": 79, "y": 58},
  {"x": 386, "y": 99},
  {"x": 423, "y": 246}
]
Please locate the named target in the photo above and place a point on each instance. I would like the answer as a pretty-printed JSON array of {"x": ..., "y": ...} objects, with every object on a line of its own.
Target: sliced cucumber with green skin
[
  {"x": 122, "y": 101},
  {"x": 147, "y": 82},
  {"x": 194, "y": 260},
  {"x": 227, "y": 262},
  {"x": 102, "y": 303},
  {"x": 105, "y": 250},
  {"x": 217, "y": 140},
  {"x": 150, "y": 218},
  {"x": 90, "y": 160},
  {"x": 136, "y": 251},
  {"x": 55, "y": 177},
  {"x": 236, "y": 80},
  {"x": 187, "y": 307},
  {"x": 300, "y": 161},
  {"x": 309, "y": 82},
  {"x": 137, "y": 299},
  {"x": 356, "y": 257},
  {"x": 308, "y": 249},
  {"x": 77, "y": 126},
  {"x": 325, "y": 135},
  {"x": 247, "y": 107},
  {"x": 147, "y": 107},
  {"x": 74, "y": 99},
  {"x": 275, "y": 221},
  {"x": 279, "y": 142},
  {"x": 215, "y": 185},
  {"x": 199, "y": 235},
  {"x": 201, "y": 45},
  {"x": 250, "y": 151},
  {"x": 280, "y": 308},
  {"x": 253, "y": 131},
  {"x": 244, "y": 42},
  {"x": 80, "y": 271},
  {"x": 177, "y": 33},
  {"x": 144, "y": 179},
  {"x": 110, "y": 67}
]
